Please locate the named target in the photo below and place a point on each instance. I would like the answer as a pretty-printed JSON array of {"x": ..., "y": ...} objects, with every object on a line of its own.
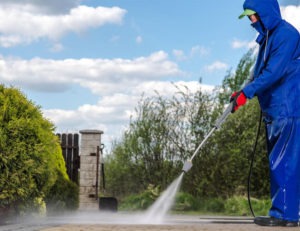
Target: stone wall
[{"x": 89, "y": 180}]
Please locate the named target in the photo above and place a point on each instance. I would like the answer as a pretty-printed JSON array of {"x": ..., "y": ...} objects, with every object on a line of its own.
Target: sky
[{"x": 87, "y": 63}]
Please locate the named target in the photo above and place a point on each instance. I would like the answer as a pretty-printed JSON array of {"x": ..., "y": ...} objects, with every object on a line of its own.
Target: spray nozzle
[{"x": 187, "y": 166}]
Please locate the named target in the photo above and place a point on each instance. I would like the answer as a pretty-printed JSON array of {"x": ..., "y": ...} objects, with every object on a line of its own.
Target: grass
[{"x": 187, "y": 204}]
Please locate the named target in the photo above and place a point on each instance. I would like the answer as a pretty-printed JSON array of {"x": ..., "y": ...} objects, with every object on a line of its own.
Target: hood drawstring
[{"x": 265, "y": 53}]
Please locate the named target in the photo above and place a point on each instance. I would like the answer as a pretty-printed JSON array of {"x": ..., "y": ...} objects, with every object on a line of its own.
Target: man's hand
[{"x": 239, "y": 99}]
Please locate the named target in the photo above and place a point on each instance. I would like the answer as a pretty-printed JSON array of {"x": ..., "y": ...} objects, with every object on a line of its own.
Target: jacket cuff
[{"x": 249, "y": 91}]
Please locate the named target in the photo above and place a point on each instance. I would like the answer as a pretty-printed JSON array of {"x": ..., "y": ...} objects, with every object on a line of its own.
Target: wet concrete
[{"x": 132, "y": 221}]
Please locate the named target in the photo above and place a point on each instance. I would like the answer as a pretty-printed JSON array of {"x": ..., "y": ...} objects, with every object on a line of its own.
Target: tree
[
  {"x": 158, "y": 140},
  {"x": 30, "y": 153},
  {"x": 166, "y": 132},
  {"x": 234, "y": 81},
  {"x": 228, "y": 151},
  {"x": 228, "y": 156}
]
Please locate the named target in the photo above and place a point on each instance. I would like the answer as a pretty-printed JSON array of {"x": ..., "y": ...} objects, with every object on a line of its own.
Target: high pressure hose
[{"x": 251, "y": 164}]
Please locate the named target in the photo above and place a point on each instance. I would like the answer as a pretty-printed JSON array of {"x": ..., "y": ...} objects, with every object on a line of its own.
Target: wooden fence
[{"x": 70, "y": 150}]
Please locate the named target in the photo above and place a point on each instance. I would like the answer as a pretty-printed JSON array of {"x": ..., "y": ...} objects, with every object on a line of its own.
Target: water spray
[{"x": 163, "y": 204}]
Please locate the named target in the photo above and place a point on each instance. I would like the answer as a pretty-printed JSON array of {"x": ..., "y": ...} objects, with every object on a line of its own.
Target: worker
[{"x": 276, "y": 83}]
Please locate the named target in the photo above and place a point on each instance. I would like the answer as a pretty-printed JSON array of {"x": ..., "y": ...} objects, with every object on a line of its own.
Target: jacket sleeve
[{"x": 278, "y": 58}]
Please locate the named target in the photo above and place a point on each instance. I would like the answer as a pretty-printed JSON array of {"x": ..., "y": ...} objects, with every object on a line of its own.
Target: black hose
[{"x": 251, "y": 164}]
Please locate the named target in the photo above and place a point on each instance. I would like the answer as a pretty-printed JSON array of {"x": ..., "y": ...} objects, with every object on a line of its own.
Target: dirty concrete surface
[{"x": 133, "y": 222}]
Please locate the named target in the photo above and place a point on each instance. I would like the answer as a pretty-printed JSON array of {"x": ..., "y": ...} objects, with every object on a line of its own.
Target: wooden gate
[{"x": 70, "y": 150}]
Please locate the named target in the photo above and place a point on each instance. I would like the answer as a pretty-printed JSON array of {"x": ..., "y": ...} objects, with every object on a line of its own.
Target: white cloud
[
  {"x": 50, "y": 7},
  {"x": 292, "y": 15},
  {"x": 236, "y": 44},
  {"x": 217, "y": 65},
  {"x": 24, "y": 25},
  {"x": 169, "y": 88},
  {"x": 119, "y": 84},
  {"x": 113, "y": 111},
  {"x": 101, "y": 76}
]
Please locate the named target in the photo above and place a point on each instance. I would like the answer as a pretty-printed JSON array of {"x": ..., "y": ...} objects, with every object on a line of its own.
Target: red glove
[{"x": 239, "y": 99}]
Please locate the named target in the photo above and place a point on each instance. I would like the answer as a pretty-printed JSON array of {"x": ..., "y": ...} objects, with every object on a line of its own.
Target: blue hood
[
  {"x": 277, "y": 70},
  {"x": 268, "y": 11}
]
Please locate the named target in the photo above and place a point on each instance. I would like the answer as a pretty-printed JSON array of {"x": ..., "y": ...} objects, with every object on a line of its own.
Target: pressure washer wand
[{"x": 188, "y": 164}]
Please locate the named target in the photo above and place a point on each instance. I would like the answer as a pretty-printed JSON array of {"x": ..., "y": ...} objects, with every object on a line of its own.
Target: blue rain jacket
[{"x": 276, "y": 83}]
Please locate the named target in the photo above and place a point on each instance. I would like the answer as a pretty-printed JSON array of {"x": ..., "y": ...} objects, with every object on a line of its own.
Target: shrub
[
  {"x": 238, "y": 205},
  {"x": 140, "y": 201},
  {"x": 63, "y": 196},
  {"x": 215, "y": 205},
  {"x": 185, "y": 202},
  {"x": 36, "y": 208},
  {"x": 31, "y": 161}
]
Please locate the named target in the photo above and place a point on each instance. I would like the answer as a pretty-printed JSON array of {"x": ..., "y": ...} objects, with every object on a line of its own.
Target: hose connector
[{"x": 187, "y": 166}]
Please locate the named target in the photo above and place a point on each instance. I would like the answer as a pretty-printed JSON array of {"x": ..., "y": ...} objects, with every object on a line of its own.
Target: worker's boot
[{"x": 272, "y": 221}]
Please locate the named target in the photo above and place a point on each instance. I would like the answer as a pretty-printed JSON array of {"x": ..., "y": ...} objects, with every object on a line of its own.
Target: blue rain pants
[{"x": 283, "y": 142}]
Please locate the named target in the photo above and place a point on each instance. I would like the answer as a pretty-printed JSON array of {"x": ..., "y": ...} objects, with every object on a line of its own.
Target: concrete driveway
[{"x": 95, "y": 221}]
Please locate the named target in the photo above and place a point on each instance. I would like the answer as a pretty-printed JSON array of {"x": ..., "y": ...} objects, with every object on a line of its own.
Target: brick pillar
[{"x": 89, "y": 180}]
